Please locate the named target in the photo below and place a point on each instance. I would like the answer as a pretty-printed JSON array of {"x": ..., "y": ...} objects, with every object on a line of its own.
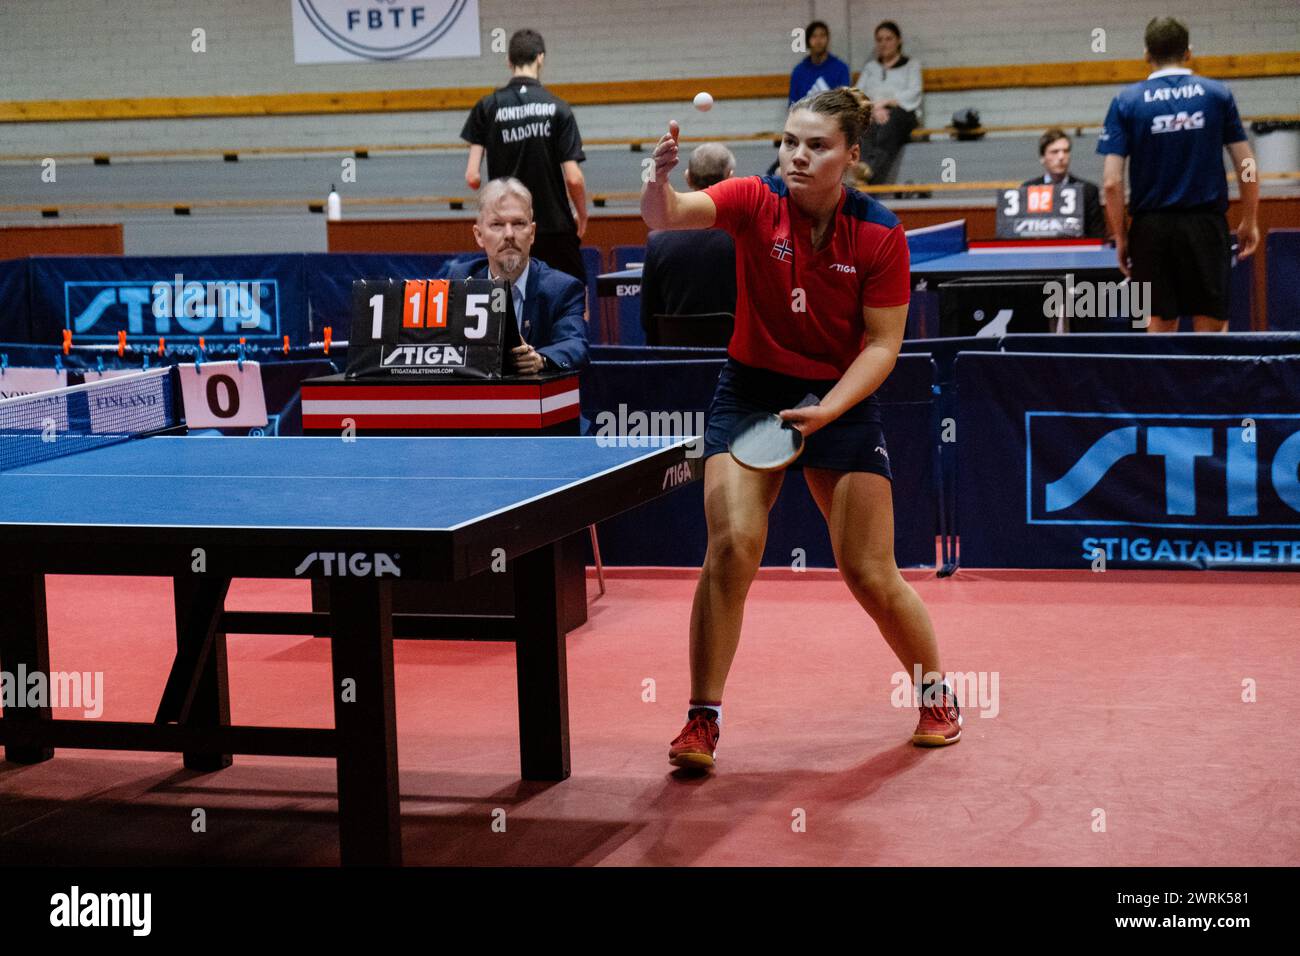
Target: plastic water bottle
[{"x": 333, "y": 205}]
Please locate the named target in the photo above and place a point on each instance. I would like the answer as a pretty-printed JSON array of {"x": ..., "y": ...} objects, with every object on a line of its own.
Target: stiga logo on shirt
[
  {"x": 1174, "y": 122},
  {"x": 424, "y": 356}
]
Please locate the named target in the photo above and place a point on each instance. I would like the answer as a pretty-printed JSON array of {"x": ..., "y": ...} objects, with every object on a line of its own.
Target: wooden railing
[{"x": 617, "y": 92}]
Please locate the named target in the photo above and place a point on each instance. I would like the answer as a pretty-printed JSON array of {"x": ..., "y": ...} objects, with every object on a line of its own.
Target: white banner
[
  {"x": 19, "y": 382},
  {"x": 351, "y": 31},
  {"x": 222, "y": 395}
]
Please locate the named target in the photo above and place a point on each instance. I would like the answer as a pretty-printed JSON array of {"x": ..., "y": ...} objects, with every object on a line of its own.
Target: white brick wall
[{"x": 58, "y": 49}]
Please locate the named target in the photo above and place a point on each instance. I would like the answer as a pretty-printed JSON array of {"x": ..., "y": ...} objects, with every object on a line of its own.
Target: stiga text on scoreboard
[{"x": 416, "y": 328}]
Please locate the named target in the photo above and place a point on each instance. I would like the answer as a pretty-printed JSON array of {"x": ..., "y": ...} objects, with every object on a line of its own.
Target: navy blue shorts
[{"x": 853, "y": 442}]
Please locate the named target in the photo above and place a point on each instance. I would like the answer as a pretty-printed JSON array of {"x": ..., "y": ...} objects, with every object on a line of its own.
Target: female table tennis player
[{"x": 822, "y": 278}]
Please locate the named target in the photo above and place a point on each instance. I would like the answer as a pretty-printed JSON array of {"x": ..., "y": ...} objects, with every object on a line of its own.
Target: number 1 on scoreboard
[
  {"x": 413, "y": 299},
  {"x": 438, "y": 293}
]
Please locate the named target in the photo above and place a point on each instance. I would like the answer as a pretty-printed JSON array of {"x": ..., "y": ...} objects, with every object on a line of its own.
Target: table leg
[
  {"x": 541, "y": 665},
  {"x": 198, "y": 689},
  {"x": 25, "y": 648},
  {"x": 365, "y": 720}
]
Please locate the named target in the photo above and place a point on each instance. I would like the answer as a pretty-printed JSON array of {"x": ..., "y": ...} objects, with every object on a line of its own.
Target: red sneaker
[
  {"x": 940, "y": 724},
  {"x": 697, "y": 743}
]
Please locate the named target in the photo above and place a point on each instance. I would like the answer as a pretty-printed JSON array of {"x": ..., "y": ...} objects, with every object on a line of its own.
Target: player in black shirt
[{"x": 531, "y": 135}]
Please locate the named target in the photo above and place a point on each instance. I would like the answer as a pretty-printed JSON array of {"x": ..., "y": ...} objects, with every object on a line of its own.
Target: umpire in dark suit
[
  {"x": 549, "y": 304},
  {"x": 1054, "y": 154},
  {"x": 691, "y": 271}
]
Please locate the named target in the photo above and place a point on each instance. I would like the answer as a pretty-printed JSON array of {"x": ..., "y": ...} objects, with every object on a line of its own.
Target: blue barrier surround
[
  {"x": 1193, "y": 509},
  {"x": 301, "y": 293},
  {"x": 1282, "y": 248}
]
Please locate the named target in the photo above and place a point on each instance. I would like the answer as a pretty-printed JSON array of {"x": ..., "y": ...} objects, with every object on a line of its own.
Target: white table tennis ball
[{"x": 703, "y": 102}]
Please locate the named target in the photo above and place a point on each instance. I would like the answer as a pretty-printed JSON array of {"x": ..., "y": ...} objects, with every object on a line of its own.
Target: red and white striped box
[{"x": 329, "y": 403}]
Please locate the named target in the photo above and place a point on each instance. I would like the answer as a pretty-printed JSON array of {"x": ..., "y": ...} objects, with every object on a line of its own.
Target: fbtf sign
[{"x": 342, "y": 31}]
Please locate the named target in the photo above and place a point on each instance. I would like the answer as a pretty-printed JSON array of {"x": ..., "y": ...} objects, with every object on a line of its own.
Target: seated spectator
[
  {"x": 691, "y": 271},
  {"x": 893, "y": 82},
  {"x": 549, "y": 304},
  {"x": 1054, "y": 154},
  {"x": 820, "y": 70}
]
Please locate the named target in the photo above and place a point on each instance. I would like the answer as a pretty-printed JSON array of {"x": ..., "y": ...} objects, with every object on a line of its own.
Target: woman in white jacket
[{"x": 893, "y": 82}]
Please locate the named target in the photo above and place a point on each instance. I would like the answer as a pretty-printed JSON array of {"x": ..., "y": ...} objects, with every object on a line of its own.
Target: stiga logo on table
[
  {"x": 340, "y": 30},
  {"x": 220, "y": 310},
  {"x": 1239, "y": 472},
  {"x": 340, "y": 564}
]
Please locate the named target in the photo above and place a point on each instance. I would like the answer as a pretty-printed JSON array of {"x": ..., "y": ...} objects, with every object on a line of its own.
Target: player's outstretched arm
[
  {"x": 1113, "y": 188},
  {"x": 663, "y": 207},
  {"x": 1243, "y": 162},
  {"x": 884, "y": 337},
  {"x": 472, "y": 167}
]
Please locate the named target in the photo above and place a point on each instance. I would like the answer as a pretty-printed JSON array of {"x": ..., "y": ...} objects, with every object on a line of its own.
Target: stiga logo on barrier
[
  {"x": 220, "y": 310},
  {"x": 1239, "y": 472}
]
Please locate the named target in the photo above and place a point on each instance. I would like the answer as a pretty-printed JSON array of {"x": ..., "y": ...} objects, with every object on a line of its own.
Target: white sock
[{"x": 716, "y": 708}]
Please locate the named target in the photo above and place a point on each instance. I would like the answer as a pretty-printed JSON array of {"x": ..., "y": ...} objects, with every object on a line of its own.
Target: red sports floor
[{"x": 1118, "y": 693}]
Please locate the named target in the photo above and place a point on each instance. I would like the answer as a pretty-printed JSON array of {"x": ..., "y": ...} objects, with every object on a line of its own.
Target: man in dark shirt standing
[
  {"x": 691, "y": 271},
  {"x": 1054, "y": 154},
  {"x": 532, "y": 136},
  {"x": 1173, "y": 128}
]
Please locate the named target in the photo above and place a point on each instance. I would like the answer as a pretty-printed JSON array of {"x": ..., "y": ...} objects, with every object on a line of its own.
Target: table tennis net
[{"x": 64, "y": 421}]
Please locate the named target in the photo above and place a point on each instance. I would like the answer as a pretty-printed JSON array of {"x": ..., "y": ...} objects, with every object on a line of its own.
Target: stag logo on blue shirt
[
  {"x": 1176, "y": 471},
  {"x": 222, "y": 310}
]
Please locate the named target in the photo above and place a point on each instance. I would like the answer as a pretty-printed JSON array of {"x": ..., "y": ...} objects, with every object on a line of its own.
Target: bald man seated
[
  {"x": 691, "y": 271},
  {"x": 549, "y": 304}
]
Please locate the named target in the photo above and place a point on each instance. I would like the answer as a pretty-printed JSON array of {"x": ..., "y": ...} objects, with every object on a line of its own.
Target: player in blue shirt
[
  {"x": 820, "y": 70},
  {"x": 1173, "y": 127}
]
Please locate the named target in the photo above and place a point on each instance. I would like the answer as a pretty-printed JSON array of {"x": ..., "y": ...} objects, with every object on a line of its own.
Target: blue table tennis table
[
  {"x": 358, "y": 514},
  {"x": 941, "y": 252},
  {"x": 1029, "y": 258}
]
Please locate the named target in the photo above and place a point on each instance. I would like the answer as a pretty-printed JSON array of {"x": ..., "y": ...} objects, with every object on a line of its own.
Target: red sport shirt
[{"x": 865, "y": 264}]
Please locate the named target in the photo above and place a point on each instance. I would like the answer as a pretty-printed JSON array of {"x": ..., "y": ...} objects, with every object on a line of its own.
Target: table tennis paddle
[{"x": 766, "y": 442}]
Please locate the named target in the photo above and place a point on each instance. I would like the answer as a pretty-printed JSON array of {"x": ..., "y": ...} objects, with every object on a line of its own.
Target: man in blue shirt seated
[
  {"x": 549, "y": 304},
  {"x": 1173, "y": 128},
  {"x": 691, "y": 271},
  {"x": 820, "y": 70}
]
